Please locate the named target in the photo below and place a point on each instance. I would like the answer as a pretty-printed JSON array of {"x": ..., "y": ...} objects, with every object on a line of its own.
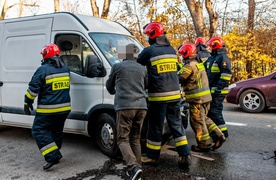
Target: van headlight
[{"x": 231, "y": 86}]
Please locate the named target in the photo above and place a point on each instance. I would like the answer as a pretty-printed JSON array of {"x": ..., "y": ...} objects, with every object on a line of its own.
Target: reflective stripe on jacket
[
  {"x": 51, "y": 85},
  {"x": 218, "y": 68},
  {"x": 162, "y": 64},
  {"x": 195, "y": 83}
]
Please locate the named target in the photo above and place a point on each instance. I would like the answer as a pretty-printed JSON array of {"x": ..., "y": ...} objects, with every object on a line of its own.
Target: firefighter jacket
[
  {"x": 51, "y": 83},
  {"x": 202, "y": 52},
  {"x": 194, "y": 80},
  {"x": 218, "y": 69},
  {"x": 161, "y": 61}
]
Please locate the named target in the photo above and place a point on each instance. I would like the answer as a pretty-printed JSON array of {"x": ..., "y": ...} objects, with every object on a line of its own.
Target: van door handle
[{"x": 1, "y": 83}]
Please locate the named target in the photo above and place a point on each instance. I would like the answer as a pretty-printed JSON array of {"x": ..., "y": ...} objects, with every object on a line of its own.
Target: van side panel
[
  {"x": 1, "y": 68},
  {"x": 22, "y": 43}
]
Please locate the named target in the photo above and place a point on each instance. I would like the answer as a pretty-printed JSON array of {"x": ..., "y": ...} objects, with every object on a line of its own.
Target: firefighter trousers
[
  {"x": 202, "y": 125},
  {"x": 215, "y": 112},
  {"x": 47, "y": 131},
  {"x": 156, "y": 114}
]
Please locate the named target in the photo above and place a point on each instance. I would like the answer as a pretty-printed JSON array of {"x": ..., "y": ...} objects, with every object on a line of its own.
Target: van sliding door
[
  {"x": 1, "y": 68},
  {"x": 22, "y": 44}
]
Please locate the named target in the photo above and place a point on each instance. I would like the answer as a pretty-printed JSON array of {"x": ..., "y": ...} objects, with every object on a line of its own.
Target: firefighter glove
[{"x": 27, "y": 108}]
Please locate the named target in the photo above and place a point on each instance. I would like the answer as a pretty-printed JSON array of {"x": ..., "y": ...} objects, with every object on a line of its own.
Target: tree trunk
[
  {"x": 213, "y": 17},
  {"x": 95, "y": 8},
  {"x": 56, "y": 6},
  {"x": 196, "y": 11},
  {"x": 250, "y": 28},
  {"x": 251, "y": 15},
  {"x": 105, "y": 8}
]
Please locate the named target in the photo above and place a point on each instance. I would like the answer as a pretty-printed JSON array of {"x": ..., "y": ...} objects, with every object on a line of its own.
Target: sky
[{"x": 47, "y": 6}]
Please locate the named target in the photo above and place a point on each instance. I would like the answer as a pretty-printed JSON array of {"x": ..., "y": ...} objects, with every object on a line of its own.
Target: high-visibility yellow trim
[
  {"x": 223, "y": 129},
  {"x": 204, "y": 137},
  {"x": 224, "y": 91},
  {"x": 166, "y": 67},
  {"x": 51, "y": 149},
  {"x": 181, "y": 143},
  {"x": 53, "y": 110},
  {"x": 63, "y": 78},
  {"x": 200, "y": 66},
  {"x": 215, "y": 69},
  {"x": 60, "y": 85},
  {"x": 165, "y": 60},
  {"x": 199, "y": 80},
  {"x": 187, "y": 70},
  {"x": 154, "y": 147},
  {"x": 227, "y": 78},
  {"x": 30, "y": 96},
  {"x": 199, "y": 94},
  {"x": 212, "y": 128},
  {"x": 164, "y": 98}
]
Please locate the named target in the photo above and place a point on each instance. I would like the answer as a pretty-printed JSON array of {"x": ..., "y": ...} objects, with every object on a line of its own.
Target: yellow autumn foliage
[{"x": 245, "y": 50}]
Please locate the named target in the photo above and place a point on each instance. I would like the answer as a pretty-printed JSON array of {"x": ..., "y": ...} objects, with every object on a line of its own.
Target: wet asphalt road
[{"x": 245, "y": 155}]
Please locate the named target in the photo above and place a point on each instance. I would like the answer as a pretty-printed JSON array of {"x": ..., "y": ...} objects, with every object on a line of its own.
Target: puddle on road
[
  {"x": 167, "y": 168},
  {"x": 114, "y": 169}
]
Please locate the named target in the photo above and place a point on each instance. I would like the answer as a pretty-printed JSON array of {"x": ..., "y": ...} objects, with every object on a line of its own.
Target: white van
[{"x": 88, "y": 48}]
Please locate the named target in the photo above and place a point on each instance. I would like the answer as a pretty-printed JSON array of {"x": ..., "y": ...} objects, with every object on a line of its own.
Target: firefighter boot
[
  {"x": 218, "y": 142},
  {"x": 48, "y": 165},
  {"x": 184, "y": 162},
  {"x": 198, "y": 149}
]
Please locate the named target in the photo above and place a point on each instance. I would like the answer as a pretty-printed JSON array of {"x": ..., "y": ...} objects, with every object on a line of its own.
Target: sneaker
[
  {"x": 219, "y": 142},
  {"x": 48, "y": 165},
  {"x": 135, "y": 173},
  {"x": 184, "y": 162},
  {"x": 198, "y": 149},
  {"x": 147, "y": 160}
]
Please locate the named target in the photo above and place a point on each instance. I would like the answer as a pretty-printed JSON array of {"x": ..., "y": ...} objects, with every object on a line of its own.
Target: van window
[
  {"x": 109, "y": 43},
  {"x": 74, "y": 50}
]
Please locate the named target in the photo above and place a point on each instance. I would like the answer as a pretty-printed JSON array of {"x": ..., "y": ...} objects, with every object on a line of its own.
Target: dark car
[{"x": 254, "y": 95}]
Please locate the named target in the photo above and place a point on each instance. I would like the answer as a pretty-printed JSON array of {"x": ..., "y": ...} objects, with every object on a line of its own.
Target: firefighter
[
  {"x": 163, "y": 95},
  {"x": 219, "y": 73},
  {"x": 201, "y": 49},
  {"x": 194, "y": 80},
  {"x": 51, "y": 84}
]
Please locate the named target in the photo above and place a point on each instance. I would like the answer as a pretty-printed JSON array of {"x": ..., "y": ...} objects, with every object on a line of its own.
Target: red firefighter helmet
[
  {"x": 215, "y": 43},
  {"x": 200, "y": 40},
  {"x": 186, "y": 50},
  {"x": 50, "y": 50},
  {"x": 154, "y": 29}
]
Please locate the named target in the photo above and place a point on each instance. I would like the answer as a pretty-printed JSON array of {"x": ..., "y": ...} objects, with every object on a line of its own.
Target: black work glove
[{"x": 27, "y": 108}]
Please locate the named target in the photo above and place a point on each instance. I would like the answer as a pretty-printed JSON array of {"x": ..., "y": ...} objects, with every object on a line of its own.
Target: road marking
[{"x": 236, "y": 124}]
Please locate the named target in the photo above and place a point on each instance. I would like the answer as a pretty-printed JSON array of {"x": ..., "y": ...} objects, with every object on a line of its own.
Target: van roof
[{"x": 70, "y": 21}]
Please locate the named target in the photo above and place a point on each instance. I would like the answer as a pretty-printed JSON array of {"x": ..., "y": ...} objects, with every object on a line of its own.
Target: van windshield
[{"x": 109, "y": 43}]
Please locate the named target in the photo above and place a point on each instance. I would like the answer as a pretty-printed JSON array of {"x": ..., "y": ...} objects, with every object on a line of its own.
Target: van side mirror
[{"x": 94, "y": 67}]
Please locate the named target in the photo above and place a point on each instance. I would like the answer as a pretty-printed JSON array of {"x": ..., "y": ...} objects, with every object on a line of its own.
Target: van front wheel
[{"x": 106, "y": 136}]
